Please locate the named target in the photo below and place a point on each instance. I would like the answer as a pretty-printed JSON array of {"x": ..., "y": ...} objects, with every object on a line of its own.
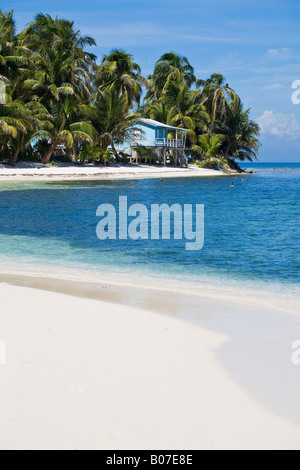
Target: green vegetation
[{"x": 57, "y": 99}]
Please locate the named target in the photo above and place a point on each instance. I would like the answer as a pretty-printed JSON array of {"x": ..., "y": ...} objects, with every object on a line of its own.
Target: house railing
[
  {"x": 159, "y": 142},
  {"x": 170, "y": 143}
]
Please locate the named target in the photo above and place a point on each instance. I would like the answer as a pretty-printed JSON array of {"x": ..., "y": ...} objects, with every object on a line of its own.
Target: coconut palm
[
  {"x": 7, "y": 44},
  {"x": 11, "y": 120},
  {"x": 66, "y": 128},
  {"x": 35, "y": 117},
  {"x": 241, "y": 133},
  {"x": 119, "y": 70},
  {"x": 208, "y": 148},
  {"x": 161, "y": 112},
  {"x": 18, "y": 122},
  {"x": 60, "y": 62},
  {"x": 186, "y": 107},
  {"x": 50, "y": 73},
  {"x": 217, "y": 93},
  {"x": 14, "y": 123},
  {"x": 169, "y": 67},
  {"x": 46, "y": 32},
  {"x": 111, "y": 119},
  {"x": 13, "y": 56}
]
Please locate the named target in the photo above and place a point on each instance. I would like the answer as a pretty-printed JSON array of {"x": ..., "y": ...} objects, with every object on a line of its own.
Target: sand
[
  {"x": 86, "y": 374},
  {"x": 38, "y": 172}
]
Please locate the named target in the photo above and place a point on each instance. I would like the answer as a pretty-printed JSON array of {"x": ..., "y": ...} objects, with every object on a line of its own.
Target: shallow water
[{"x": 251, "y": 232}]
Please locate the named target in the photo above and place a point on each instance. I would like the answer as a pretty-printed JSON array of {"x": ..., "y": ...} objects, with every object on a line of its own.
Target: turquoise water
[{"x": 252, "y": 232}]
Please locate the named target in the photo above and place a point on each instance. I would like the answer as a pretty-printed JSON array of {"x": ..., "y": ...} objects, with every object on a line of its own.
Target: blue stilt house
[{"x": 161, "y": 138}]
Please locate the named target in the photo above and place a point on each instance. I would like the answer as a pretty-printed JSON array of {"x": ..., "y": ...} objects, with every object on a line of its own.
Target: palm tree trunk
[
  {"x": 227, "y": 151},
  {"x": 74, "y": 156},
  {"x": 115, "y": 153},
  {"x": 47, "y": 157},
  {"x": 13, "y": 159},
  {"x": 234, "y": 166},
  {"x": 165, "y": 157}
]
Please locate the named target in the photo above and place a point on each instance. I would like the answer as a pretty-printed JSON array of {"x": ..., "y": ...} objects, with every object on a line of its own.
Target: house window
[{"x": 137, "y": 134}]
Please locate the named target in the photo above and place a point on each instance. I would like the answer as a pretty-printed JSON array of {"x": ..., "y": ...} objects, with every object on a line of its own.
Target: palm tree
[
  {"x": 35, "y": 117},
  {"x": 241, "y": 133},
  {"x": 209, "y": 148},
  {"x": 46, "y": 32},
  {"x": 60, "y": 62},
  {"x": 66, "y": 128},
  {"x": 13, "y": 123},
  {"x": 119, "y": 70},
  {"x": 18, "y": 122},
  {"x": 7, "y": 43},
  {"x": 186, "y": 107},
  {"x": 61, "y": 79},
  {"x": 11, "y": 120},
  {"x": 160, "y": 111},
  {"x": 12, "y": 54},
  {"x": 216, "y": 94},
  {"x": 50, "y": 73},
  {"x": 109, "y": 116},
  {"x": 169, "y": 67}
]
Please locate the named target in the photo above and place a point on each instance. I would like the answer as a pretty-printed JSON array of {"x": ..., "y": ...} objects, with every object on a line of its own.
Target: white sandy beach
[
  {"x": 85, "y": 374},
  {"x": 32, "y": 171}
]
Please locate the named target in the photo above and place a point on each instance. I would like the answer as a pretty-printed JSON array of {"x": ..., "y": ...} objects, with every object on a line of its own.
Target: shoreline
[
  {"x": 235, "y": 291},
  {"x": 73, "y": 172},
  {"x": 68, "y": 357}
]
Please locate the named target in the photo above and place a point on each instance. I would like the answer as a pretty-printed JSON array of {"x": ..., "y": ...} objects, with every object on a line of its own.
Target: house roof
[{"x": 153, "y": 123}]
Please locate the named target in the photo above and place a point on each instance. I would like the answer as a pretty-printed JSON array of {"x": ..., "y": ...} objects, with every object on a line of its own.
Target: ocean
[
  {"x": 270, "y": 166},
  {"x": 252, "y": 232}
]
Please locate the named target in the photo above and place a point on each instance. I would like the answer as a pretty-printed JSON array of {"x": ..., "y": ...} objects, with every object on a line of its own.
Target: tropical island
[{"x": 58, "y": 105}]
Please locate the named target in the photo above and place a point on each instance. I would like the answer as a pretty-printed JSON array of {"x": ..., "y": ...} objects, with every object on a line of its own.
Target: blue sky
[{"x": 255, "y": 44}]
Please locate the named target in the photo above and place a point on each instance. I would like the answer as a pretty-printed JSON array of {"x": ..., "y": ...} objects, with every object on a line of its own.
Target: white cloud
[
  {"x": 279, "y": 124},
  {"x": 280, "y": 54}
]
